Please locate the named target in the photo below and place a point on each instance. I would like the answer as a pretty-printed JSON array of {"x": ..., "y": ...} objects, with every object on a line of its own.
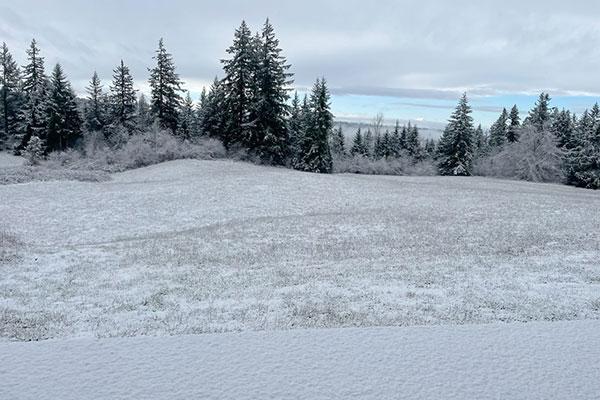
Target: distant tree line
[
  {"x": 548, "y": 145},
  {"x": 248, "y": 109}
]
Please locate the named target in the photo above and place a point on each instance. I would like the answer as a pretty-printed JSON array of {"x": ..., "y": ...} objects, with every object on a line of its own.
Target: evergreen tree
[
  {"x": 122, "y": 100},
  {"x": 33, "y": 118},
  {"x": 412, "y": 142},
  {"x": 143, "y": 114},
  {"x": 316, "y": 155},
  {"x": 378, "y": 149},
  {"x": 396, "y": 143},
  {"x": 403, "y": 137},
  {"x": 512, "y": 132},
  {"x": 95, "y": 110},
  {"x": 239, "y": 87},
  {"x": 387, "y": 144},
  {"x": 295, "y": 129},
  {"x": 337, "y": 142},
  {"x": 430, "y": 148},
  {"x": 64, "y": 122},
  {"x": 499, "y": 129},
  {"x": 165, "y": 87},
  {"x": 564, "y": 130},
  {"x": 480, "y": 142},
  {"x": 270, "y": 126},
  {"x": 368, "y": 143},
  {"x": 187, "y": 119},
  {"x": 358, "y": 145},
  {"x": 456, "y": 145},
  {"x": 10, "y": 96},
  {"x": 213, "y": 116},
  {"x": 539, "y": 116}
]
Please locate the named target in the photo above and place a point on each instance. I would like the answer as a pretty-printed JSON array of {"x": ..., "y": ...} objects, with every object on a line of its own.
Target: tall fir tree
[
  {"x": 64, "y": 121},
  {"x": 213, "y": 116},
  {"x": 239, "y": 86},
  {"x": 95, "y": 108},
  {"x": 539, "y": 116},
  {"x": 316, "y": 155},
  {"x": 187, "y": 119},
  {"x": 10, "y": 97},
  {"x": 498, "y": 131},
  {"x": 358, "y": 145},
  {"x": 122, "y": 100},
  {"x": 296, "y": 130},
  {"x": 273, "y": 80},
  {"x": 33, "y": 118},
  {"x": 337, "y": 144},
  {"x": 143, "y": 114},
  {"x": 512, "y": 132},
  {"x": 456, "y": 145},
  {"x": 412, "y": 141},
  {"x": 165, "y": 87}
]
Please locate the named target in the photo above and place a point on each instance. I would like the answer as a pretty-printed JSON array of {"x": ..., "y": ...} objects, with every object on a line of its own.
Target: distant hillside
[{"x": 428, "y": 130}]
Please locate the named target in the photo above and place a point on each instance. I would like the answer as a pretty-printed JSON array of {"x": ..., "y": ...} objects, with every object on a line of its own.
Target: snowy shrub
[
  {"x": 34, "y": 152},
  {"x": 392, "y": 166},
  {"x": 535, "y": 157}
]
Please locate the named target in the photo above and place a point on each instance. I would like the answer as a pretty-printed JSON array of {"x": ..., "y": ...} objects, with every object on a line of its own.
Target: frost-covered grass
[{"x": 212, "y": 246}]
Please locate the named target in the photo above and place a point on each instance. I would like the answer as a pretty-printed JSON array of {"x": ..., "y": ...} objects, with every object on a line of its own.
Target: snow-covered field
[
  {"x": 210, "y": 246},
  {"x": 510, "y": 361}
]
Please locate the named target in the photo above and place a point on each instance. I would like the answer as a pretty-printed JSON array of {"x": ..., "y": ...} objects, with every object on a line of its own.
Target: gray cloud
[{"x": 416, "y": 49}]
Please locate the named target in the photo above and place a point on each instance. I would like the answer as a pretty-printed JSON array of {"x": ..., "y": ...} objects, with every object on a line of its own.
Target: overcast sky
[{"x": 415, "y": 57}]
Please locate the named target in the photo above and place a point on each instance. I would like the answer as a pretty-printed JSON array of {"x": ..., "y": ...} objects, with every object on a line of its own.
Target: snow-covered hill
[
  {"x": 211, "y": 246},
  {"x": 508, "y": 361}
]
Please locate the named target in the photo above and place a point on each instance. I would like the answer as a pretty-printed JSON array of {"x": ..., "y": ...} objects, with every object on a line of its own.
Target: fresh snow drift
[{"x": 517, "y": 361}]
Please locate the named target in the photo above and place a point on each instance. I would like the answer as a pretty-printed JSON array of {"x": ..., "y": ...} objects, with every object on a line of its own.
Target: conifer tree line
[
  {"x": 250, "y": 109},
  {"x": 247, "y": 109},
  {"x": 556, "y": 135}
]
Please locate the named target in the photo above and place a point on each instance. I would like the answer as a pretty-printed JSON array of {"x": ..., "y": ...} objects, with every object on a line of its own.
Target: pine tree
[
  {"x": 213, "y": 117},
  {"x": 143, "y": 114},
  {"x": 165, "y": 87},
  {"x": 498, "y": 131},
  {"x": 512, "y": 132},
  {"x": 368, "y": 143},
  {"x": 564, "y": 130},
  {"x": 412, "y": 142},
  {"x": 271, "y": 109},
  {"x": 480, "y": 142},
  {"x": 456, "y": 145},
  {"x": 64, "y": 122},
  {"x": 539, "y": 116},
  {"x": 316, "y": 155},
  {"x": 122, "y": 100},
  {"x": 337, "y": 142},
  {"x": 396, "y": 144},
  {"x": 10, "y": 96},
  {"x": 187, "y": 118},
  {"x": 358, "y": 145},
  {"x": 95, "y": 110},
  {"x": 295, "y": 129},
  {"x": 33, "y": 118},
  {"x": 387, "y": 144},
  {"x": 430, "y": 148},
  {"x": 239, "y": 87}
]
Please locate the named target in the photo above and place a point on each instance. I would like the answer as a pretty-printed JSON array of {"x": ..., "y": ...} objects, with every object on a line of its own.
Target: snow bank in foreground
[{"x": 533, "y": 361}]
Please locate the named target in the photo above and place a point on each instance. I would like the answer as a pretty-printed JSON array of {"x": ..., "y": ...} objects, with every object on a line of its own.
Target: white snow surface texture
[{"x": 504, "y": 361}]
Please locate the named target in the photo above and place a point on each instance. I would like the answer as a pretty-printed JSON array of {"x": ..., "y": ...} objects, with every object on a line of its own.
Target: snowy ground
[
  {"x": 212, "y": 246},
  {"x": 509, "y": 361}
]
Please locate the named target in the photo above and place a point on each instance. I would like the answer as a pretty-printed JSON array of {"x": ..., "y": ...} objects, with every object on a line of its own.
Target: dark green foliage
[
  {"x": 165, "y": 87},
  {"x": 539, "y": 116},
  {"x": 512, "y": 132},
  {"x": 95, "y": 108},
  {"x": 337, "y": 144},
  {"x": 316, "y": 155},
  {"x": 239, "y": 86},
  {"x": 187, "y": 119},
  {"x": 33, "y": 118},
  {"x": 358, "y": 145},
  {"x": 10, "y": 97},
  {"x": 270, "y": 108},
  {"x": 499, "y": 130},
  {"x": 64, "y": 122},
  {"x": 212, "y": 117},
  {"x": 122, "y": 101},
  {"x": 455, "y": 150}
]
